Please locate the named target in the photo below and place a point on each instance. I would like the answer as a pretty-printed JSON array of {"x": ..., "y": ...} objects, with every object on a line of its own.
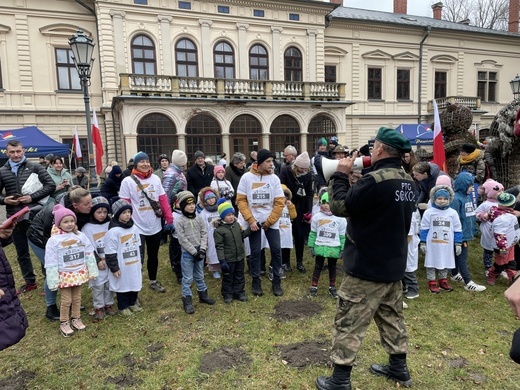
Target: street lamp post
[
  {"x": 515, "y": 86},
  {"x": 82, "y": 50}
]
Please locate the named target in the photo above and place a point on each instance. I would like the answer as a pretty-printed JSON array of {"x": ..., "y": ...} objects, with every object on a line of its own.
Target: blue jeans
[
  {"x": 50, "y": 296},
  {"x": 255, "y": 241},
  {"x": 461, "y": 264},
  {"x": 191, "y": 269}
]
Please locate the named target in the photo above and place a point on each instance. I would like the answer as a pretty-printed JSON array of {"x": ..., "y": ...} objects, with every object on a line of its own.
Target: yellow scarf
[{"x": 470, "y": 157}]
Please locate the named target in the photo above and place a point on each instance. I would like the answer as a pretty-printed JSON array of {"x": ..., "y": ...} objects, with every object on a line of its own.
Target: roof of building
[{"x": 347, "y": 13}]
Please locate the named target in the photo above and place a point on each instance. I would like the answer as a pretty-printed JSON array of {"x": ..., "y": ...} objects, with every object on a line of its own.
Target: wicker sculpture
[{"x": 503, "y": 147}]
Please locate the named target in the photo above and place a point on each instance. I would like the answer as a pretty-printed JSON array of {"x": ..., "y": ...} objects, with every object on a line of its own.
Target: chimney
[
  {"x": 514, "y": 10},
  {"x": 437, "y": 10},
  {"x": 340, "y": 2},
  {"x": 400, "y": 7}
]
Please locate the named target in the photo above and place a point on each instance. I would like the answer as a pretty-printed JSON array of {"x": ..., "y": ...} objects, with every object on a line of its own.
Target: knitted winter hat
[
  {"x": 179, "y": 158},
  {"x": 262, "y": 155},
  {"x": 365, "y": 150},
  {"x": 492, "y": 188},
  {"x": 303, "y": 160},
  {"x": 321, "y": 142},
  {"x": 287, "y": 192},
  {"x": 61, "y": 212},
  {"x": 218, "y": 169},
  {"x": 140, "y": 156},
  {"x": 184, "y": 198},
  {"x": 209, "y": 195},
  {"x": 116, "y": 170},
  {"x": 81, "y": 170},
  {"x": 325, "y": 198},
  {"x": 441, "y": 193},
  {"x": 506, "y": 199},
  {"x": 334, "y": 140},
  {"x": 163, "y": 157},
  {"x": 119, "y": 206},
  {"x": 224, "y": 208},
  {"x": 198, "y": 154},
  {"x": 468, "y": 148},
  {"x": 443, "y": 180},
  {"x": 99, "y": 201}
]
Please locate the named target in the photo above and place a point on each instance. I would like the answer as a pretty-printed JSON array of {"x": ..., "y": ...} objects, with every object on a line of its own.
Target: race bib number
[
  {"x": 129, "y": 255},
  {"x": 328, "y": 235}
]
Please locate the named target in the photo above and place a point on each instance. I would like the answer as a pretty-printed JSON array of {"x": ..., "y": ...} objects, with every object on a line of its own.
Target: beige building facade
[{"x": 235, "y": 76}]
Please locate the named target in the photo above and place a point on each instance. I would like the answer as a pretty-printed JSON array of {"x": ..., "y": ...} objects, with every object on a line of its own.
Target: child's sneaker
[
  {"x": 135, "y": 308},
  {"x": 457, "y": 278},
  {"x": 77, "y": 324},
  {"x": 314, "y": 291},
  {"x": 156, "y": 286},
  {"x": 333, "y": 292},
  {"x": 472, "y": 286},
  {"x": 412, "y": 295},
  {"x": 65, "y": 329},
  {"x": 126, "y": 312},
  {"x": 109, "y": 310},
  {"x": 216, "y": 275},
  {"x": 99, "y": 313}
]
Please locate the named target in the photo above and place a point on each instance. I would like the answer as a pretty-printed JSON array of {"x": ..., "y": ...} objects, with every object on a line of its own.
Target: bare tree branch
[{"x": 492, "y": 14}]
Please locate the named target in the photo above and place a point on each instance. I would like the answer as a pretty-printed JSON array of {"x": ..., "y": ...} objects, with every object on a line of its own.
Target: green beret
[{"x": 393, "y": 138}]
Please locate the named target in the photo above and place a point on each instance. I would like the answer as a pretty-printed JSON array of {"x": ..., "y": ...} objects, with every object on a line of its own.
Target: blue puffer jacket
[{"x": 463, "y": 205}]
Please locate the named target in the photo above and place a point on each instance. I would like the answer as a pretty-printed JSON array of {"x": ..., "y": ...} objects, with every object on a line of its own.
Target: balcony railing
[
  {"x": 473, "y": 103},
  {"x": 201, "y": 87}
]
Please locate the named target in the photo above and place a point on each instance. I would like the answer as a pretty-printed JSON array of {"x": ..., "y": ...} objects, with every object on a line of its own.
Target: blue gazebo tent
[{"x": 36, "y": 142}]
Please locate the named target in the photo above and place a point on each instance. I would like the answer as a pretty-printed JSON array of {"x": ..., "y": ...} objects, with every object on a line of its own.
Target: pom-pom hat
[
  {"x": 506, "y": 199},
  {"x": 61, "y": 212}
]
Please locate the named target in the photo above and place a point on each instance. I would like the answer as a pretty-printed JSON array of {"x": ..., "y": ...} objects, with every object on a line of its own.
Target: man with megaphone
[{"x": 379, "y": 209}]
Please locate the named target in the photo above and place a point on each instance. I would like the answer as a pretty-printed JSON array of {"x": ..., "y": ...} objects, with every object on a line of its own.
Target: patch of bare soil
[
  {"x": 457, "y": 362},
  {"x": 18, "y": 381},
  {"x": 307, "y": 353},
  {"x": 224, "y": 359},
  {"x": 296, "y": 310},
  {"x": 123, "y": 381}
]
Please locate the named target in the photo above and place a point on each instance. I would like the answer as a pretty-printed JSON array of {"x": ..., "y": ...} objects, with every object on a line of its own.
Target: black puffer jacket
[
  {"x": 13, "y": 184},
  {"x": 298, "y": 186},
  {"x": 13, "y": 321},
  {"x": 199, "y": 178}
]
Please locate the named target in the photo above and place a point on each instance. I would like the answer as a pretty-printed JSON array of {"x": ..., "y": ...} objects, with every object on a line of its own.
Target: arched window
[
  {"x": 245, "y": 134},
  {"x": 156, "y": 134},
  {"x": 285, "y": 131},
  {"x": 258, "y": 63},
  {"x": 186, "y": 58},
  {"x": 203, "y": 133},
  {"x": 224, "y": 60},
  {"x": 321, "y": 126},
  {"x": 292, "y": 64},
  {"x": 143, "y": 56}
]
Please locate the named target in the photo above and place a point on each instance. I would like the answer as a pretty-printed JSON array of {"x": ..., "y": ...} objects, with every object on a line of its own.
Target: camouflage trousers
[{"x": 360, "y": 301}]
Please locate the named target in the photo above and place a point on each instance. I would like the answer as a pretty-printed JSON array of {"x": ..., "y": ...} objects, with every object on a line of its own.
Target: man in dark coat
[
  {"x": 199, "y": 175},
  {"x": 13, "y": 176}
]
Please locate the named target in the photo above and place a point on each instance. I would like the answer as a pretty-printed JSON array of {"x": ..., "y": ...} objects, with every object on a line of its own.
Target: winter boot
[
  {"x": 443, "y": 283},
  {"x": 491, "y": 277},
  {"x": 277, "y": 289},
  {"x": 53, "y": 313},
  {"x": 511, "y": 273},
  {"x": 188, "y": 305},
  {"x": 396, "y": 370},
  {"x": 432, "y": 286},
  {"x": 204, "y": 298},
  {"x": 257, "y": 287},
  {"x": 340, "y": 379}
]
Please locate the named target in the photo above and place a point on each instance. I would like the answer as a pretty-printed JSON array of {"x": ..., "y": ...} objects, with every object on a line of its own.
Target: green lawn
[{"x": 458, "y": 340}]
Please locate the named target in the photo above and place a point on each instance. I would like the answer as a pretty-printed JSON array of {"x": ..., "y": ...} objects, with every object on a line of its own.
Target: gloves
[
  {"x": 200, "y": 256},
  {"x": 312, "y": 252},
  {"x": 224, "y": 266},
  {"x": 340, "y": 255},
  {"x": 422, "y": 247},
  {"x": 169, "y": 229},
  {"x": 307, "y": 217},
  {"x": 458, "y": 249}
]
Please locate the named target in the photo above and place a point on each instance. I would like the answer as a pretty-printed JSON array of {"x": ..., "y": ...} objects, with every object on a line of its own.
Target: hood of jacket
[
  {"x": 451, "y": 194},
  {"x": 462, "y": 182}
]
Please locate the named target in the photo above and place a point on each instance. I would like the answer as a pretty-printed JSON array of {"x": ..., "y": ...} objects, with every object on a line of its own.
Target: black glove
[
  {"x": 201, "y": 255},
  {"x": 224, "y": 266},
  {"x": 169, "y": 229}
]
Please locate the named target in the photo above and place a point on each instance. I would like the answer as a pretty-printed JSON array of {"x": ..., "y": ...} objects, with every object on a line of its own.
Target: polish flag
[
  {"x": 96, "y": 139},
  {"x": 439, "y": 155},
  {"x": 76, "y": 145}
]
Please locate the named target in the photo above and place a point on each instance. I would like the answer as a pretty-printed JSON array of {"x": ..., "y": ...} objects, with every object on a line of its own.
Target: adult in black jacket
[
  {"x": 110, "y": 188},
  {"x": 299, "y": 180},
  {"x": 13, "y": 321},
  {"x": 13, "y": 176},
  {"x": 234, "y": 171},
  {"x": 199, "y": 175},
  {"x": 379, "y": 208},
  {"x": 79, "y": 200}
]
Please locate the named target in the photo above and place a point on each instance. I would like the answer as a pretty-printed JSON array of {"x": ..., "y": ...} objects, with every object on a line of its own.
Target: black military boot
[
  {"x": 187, "y": 303},
  {"x": 395, "y": 370},
  {"x": 277, "y": 289},
  {"x": 204, "y": 298},
  {"x": 340, "y": 379},
  {"x": 257, "y": 287}
]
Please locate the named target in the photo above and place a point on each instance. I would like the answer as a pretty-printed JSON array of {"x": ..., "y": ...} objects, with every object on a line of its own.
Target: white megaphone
[{"x": 329, "y": 166}]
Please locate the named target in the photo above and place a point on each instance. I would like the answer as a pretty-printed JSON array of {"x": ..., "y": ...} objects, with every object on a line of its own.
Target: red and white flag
[
  {"x": 76, "y": 145},
  {"x": 96, "y": 139},
  {"x": 439, "y": 155}
]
